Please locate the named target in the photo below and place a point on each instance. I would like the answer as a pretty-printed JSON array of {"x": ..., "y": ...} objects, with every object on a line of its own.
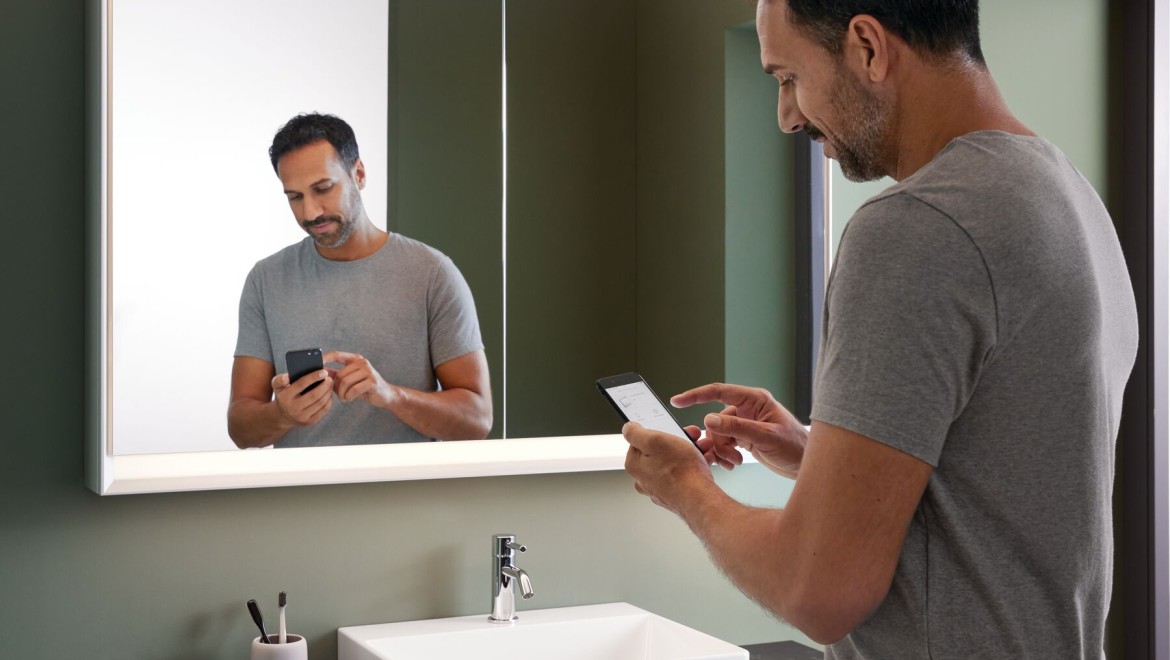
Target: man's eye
[
  {"x": 787, "y": 80},
  {"x": 294, "y": 198},
  {"x": 324, "y": 189}
]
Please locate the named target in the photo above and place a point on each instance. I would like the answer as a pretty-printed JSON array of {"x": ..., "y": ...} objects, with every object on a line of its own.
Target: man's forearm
[
  {"x": 745, "y": 543},
  {"x": 254, "y": 423},
  {"x": 454, "y": 414},
  {"x": 773, "y": 557}
]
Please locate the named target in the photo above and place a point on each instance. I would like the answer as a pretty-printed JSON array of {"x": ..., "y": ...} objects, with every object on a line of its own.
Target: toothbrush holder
[{"x": 294, "y": 649}]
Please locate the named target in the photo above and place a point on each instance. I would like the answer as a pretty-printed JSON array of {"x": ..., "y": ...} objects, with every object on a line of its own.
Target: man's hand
[
  {"x": 664, "y": 466},
  {"x": 300, "y": 405},
  {"x": 752, "y": 420},
  {"x": 358, "y": 379}
]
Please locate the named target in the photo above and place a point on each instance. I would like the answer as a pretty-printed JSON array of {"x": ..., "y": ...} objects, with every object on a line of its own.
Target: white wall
[{"x": 198, "y": 90}]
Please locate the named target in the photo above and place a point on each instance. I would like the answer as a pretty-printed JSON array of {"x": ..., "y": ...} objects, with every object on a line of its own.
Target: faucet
[{"x": 505, "y": 575}]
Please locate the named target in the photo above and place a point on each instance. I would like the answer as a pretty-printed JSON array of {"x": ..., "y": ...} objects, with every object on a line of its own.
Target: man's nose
[
  {"x": 788, "y": 112},
  {"x": 312, "y": 208}
]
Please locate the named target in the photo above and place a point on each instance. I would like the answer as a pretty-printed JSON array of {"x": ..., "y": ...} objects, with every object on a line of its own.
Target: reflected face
[
  {"x": 323, "y": 196},
  {"x": 820, "y": 96}
]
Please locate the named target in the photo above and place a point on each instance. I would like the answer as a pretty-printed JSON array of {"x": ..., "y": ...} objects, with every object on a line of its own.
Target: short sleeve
[
  {"x": 453, "y": 324},
  {"x": 910, "y": 323},
  {"x": 252, "y": 338}
]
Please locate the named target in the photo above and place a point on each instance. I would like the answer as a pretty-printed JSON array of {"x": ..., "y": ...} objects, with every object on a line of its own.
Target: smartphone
[
  {"x": 633, "y": 399},
  {"x": 303, "y": 362}
]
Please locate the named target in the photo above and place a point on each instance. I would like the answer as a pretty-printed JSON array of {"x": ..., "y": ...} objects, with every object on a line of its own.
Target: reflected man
[
  {"x": 953, "y": 497},
  {"x": 404, "y": 360}
]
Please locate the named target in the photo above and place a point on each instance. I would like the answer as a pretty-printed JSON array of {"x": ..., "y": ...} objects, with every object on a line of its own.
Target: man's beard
[
  {"x": 334, "y": 239},
  {"x": 860, "y": 148}
]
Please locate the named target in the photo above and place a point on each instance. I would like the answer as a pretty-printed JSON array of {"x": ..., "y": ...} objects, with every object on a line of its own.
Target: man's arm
[
  {"x": 825, "y": 562},
  {"x": 256, "y": 418},
  {"x": 462, "y": 410}
]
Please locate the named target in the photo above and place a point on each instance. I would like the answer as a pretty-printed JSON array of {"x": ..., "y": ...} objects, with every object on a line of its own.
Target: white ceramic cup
[{"x": 294, "y": 649}]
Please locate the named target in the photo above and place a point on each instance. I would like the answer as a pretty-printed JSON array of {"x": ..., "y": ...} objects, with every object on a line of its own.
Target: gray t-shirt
[
  {"x": 980, "y": 318},
  {"x": 405, "y": 308}
]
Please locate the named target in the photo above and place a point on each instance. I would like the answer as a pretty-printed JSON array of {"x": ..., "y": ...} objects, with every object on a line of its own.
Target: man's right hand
[
  {"x": 753, "y": 420},
  {"x": 300, "y": 405}
]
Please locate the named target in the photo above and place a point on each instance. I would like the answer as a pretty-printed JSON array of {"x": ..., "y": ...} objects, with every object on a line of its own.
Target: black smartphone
[
  {"x": 632, "y": 398},
  {"x": 303, "y": 362}
]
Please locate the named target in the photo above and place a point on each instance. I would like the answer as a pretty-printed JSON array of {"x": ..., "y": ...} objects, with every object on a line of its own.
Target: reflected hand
[
  {"x": 300, "y": 405},
  {"x": 753, "y": 420},
  {"x": 358, "y": 379},
  {"x": 664, "y": 467}
]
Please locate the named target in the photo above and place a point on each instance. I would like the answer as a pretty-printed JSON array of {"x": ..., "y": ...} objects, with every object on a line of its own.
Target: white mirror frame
[{"x": 108, "y": 473}]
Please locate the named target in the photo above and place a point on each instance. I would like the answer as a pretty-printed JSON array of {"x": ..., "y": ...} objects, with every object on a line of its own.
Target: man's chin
[{"x": 329, "y": 241}]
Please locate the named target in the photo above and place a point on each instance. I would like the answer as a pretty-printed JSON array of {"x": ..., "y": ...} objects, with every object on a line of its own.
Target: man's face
[
  {"x": 820, "y": 96},
  {"x": 323, "y": 196}
]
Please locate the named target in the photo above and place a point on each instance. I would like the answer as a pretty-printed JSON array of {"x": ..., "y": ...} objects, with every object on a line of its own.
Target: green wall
[
  {"x": 624, "y": 197},
  {"x": 447, "y": 149},
  {"x": 571, "y": 188}
]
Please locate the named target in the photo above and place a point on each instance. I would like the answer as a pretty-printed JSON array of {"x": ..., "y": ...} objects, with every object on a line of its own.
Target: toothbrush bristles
[{"x": 283, "y": 599}]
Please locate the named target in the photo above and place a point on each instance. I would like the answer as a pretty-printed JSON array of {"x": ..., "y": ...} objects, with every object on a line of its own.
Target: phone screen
[{"x": 637, "y": 403}]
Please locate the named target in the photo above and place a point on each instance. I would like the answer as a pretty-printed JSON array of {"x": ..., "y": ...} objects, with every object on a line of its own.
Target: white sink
[{"x": 613, "y": 631}]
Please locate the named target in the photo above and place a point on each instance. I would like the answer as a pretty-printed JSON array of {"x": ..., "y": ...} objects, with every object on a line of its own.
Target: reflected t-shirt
[{"x": 406, "y": 308}]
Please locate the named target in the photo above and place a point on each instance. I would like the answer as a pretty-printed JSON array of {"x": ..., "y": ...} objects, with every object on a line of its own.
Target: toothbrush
[
  {"x": 255, "y": 610},
  {"x": 283, "y": 600}
]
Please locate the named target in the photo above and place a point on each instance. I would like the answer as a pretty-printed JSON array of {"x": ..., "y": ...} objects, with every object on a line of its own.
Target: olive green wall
[
  {"x": 619, "y": 211},
  {"x": 447, "y": 149},
  {"x": 571, "y": 187}
]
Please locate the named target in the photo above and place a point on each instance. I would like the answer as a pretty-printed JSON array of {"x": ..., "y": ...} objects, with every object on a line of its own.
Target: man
[
  {"x": 953, "y": 495},
  {"x": 407, "y": 362}
]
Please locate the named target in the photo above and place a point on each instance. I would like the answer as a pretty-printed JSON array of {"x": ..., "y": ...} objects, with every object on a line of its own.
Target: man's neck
[
  {"x": 938, "y": 105},
  {"x": 365, "y": 241}
]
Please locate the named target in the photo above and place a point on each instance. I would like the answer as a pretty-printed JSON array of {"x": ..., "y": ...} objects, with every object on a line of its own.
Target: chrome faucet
[{"x": 505, "y": 575}]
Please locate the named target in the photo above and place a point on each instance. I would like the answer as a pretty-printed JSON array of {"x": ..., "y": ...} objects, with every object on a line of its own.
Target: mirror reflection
[
  {"x": 386, "y": 304},
  {"x": 628, "y": 178}
]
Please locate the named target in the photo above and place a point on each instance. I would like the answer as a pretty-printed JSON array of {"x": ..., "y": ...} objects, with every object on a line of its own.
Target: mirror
[{"x": 592, "y": 225}]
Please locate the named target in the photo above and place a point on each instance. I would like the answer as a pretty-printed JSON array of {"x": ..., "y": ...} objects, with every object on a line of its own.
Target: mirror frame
[{"x": 110, "y": 474}]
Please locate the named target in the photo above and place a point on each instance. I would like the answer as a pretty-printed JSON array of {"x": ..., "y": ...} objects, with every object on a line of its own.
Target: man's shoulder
[
  {"x": 405, "y": 254},
  {"x": 983, "y": 177},
  {"x": 987, "y": 163},
  {"x": 414, "y": 247}
]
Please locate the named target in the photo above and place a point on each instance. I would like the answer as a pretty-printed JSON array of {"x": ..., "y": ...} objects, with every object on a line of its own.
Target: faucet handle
[{"x": 504, "y": 544}]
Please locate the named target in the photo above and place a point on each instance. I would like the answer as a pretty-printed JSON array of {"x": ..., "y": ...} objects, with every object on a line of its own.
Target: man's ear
[
  {"x": 867, "y": 48},
  {"x": 359, "y": 173}
]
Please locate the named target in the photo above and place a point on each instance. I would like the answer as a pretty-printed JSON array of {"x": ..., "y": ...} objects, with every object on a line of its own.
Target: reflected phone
[
  {"x": 632, "y": 398},
  {"x": 303, "y": 362}
]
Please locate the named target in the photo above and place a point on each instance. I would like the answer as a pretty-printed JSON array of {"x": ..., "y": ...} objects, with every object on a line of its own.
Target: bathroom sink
[{"x": 613, "y": 631}]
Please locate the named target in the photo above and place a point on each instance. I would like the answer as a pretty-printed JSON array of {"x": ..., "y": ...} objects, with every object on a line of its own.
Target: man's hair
[
  {"x": 935, "y": 28},
  {"x": 312, "y": 127}
]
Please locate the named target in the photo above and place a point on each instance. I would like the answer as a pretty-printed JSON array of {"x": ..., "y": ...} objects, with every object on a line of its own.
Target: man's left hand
[
  {"x": 358, "y": 379},
  {"x": 665, "y": 467}
]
